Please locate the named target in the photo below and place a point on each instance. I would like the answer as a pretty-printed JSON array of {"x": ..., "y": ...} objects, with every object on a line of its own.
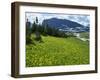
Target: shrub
[{"x": 28, "y": 39}]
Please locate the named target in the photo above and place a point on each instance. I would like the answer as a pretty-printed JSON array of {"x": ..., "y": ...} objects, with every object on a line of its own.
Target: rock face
[{"x": 65, "y": 25}]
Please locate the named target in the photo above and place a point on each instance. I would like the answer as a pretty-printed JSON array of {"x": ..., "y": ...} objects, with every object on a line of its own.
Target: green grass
[{"x": 54, "y": 51}]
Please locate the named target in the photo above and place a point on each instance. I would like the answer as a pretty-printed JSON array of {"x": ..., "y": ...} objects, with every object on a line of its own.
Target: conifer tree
[
  {"x": 37, "y": 33},
  {"x": 28, "y": 32}
]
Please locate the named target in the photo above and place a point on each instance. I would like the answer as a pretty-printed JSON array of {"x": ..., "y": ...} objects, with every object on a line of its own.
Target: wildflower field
[{"x": 55, "y": 51}]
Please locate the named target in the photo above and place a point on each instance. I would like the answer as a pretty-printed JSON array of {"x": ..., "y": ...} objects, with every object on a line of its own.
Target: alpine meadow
[{"x": 54, "y": 39}]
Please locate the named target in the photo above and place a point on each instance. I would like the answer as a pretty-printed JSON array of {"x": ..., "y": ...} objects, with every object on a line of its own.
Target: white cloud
[{"x": 82, "y": 19}]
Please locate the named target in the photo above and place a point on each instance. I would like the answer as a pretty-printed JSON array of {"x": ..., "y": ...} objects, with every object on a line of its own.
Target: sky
[{"x": 79, "y": 18}]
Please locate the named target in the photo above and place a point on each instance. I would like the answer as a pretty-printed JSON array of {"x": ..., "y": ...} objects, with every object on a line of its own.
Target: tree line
[{"x": 39, "y": 29}]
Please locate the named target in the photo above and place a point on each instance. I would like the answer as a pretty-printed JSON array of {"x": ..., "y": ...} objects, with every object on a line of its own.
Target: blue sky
[{"x": 80, "y": 18}]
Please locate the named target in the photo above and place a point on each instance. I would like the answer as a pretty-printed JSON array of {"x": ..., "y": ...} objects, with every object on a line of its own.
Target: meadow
[{"x": 55, "y": 51}]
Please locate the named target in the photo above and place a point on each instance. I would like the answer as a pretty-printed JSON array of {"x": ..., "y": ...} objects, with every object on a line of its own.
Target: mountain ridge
[{"x": 65, "y": 25}]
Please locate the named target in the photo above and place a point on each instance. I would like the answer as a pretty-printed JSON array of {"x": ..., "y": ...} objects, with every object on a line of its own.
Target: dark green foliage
[
  {"x": 39, "y": 29},
  {"x": 28, "y": 39},
  {"x": 36, "y": 19},
  {"x": 28, "y": 32},
  {"x": 34, "y": 27},
  {"x": 28, "y": 28},
  {"x": 49, "y": 30}
]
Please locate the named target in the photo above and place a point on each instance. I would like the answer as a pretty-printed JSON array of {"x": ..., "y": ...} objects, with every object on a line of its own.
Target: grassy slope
[{"x": 57, "y": 51}]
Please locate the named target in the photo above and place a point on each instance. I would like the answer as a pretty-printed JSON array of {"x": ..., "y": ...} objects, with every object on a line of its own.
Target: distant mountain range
[{"x": 65, "y": 25}]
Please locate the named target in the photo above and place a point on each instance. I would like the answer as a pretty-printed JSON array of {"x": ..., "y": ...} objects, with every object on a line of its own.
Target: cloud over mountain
[{"x": 79, "y": 18}]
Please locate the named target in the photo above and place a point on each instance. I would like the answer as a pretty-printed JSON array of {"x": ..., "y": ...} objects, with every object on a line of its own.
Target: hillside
[
  {"x": 54, "y": 51},
  {"x": 65, "y": 25}
]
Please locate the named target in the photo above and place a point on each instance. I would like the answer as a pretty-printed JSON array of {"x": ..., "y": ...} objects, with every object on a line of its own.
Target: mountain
[{"x": 65, "y": 25}]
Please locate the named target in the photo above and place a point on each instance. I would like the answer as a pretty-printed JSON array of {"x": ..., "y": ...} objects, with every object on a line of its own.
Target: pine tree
[
  {"x": 33, "y": 27},
  {"x": 37, "y": 20},
  {"x": 37, "y": 33},
  {"x": 28, "y": 32}
]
